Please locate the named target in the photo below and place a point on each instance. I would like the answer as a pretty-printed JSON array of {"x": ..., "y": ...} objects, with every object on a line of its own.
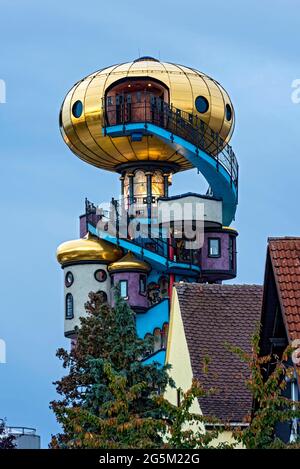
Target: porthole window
[
  {"x": 77, "y": 109},
  {"x": 228, "y": 112},
  {"x": 201, "y": 104},
  {"x": 60, "y": 119},
  {"x": 69, "y": 306},
  {"x": 100, "y": 275},
  {"x": 69, "y": 279}
]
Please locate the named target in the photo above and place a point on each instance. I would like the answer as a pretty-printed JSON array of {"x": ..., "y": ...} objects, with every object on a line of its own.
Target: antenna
[{"x": 139, "y": 52}]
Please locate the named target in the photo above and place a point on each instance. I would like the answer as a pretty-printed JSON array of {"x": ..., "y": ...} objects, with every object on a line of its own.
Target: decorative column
[
  {"x": 131, "y": 191},
  {"x": 149, "y": 200},
  {"x": 122, "y": 178},
  {"x": 166, "y": 184}
]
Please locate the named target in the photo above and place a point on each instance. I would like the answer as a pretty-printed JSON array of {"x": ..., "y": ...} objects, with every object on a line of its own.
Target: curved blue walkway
[{"x": 216, "y": 175}]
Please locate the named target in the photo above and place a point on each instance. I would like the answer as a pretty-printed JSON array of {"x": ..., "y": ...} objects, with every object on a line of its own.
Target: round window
[
  {"x": 228, "y": 112},
  {"x": 77, "y": 109},
  {"x": 69, "y": 279},
  {"x": 60, "y": 119},
  {"x": 100, "y": 275},
  {"x": 201, "y": 104}
]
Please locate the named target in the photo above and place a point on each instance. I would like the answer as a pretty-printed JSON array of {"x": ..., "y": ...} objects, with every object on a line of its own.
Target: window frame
[
  {"x": 214, "y": 256},
  {"x": 231, "y": 251},
  {"x": 124, "y": 281},
  {"x": 143, "y": 277},
  {"x": 68, "y": 285},
  {"x": 100, "y": 270},
  {"x": 67, "y": 316}
]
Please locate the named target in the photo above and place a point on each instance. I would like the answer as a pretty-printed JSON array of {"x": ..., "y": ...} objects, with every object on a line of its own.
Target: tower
[{"x": 147, "y": 120}]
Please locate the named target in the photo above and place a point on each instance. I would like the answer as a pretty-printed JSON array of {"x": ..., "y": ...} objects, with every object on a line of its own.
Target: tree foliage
[
  {"x": 111, "y": 399},
  {"x": 268, "y": 379},
  {"x": 109, "y": 395},
  {"x": 6, "y": 441}
]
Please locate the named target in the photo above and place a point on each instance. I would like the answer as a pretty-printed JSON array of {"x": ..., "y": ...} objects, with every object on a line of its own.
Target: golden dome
[
  {"x": 88, "y": 248},
  {"x": 183, "y": 85},
  {"x": 129, "y": 263}
]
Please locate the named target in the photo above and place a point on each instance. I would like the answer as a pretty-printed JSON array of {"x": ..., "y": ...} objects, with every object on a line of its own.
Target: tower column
[
  {"x": 166, "y": 185},
  {"x": 149, "y": 200},
  {"x": 131, "y": 190},
  {"x": 122, "y": 178}
]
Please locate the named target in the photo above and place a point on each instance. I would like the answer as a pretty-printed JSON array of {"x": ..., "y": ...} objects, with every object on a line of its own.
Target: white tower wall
[{"x": 84, "y": 282}]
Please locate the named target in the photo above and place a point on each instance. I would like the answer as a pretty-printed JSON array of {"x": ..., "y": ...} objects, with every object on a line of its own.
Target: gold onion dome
[
  {"x": 88, "y": 248},
  {"x": 83, "y": 111},
  {"x": 129, "y": 263}
]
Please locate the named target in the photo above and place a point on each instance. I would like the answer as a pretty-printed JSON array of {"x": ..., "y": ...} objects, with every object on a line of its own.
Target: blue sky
[{"x": 250, "y": 47}]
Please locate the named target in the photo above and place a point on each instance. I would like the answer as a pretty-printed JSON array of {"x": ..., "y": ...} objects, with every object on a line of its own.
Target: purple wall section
[
  {"x": 221, "y": 263},
  {"x": 82, "y": 226},
  {"x": 92, "y": 218},
  {"x": 135, "y": 299}
]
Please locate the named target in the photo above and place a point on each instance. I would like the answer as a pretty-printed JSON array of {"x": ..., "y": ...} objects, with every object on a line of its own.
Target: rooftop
[
  {"x": 285, "y": 260},
  {"x": 214, "y": 315}
]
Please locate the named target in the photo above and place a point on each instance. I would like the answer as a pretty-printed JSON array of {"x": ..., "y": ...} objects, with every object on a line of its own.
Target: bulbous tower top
[{"x": 138, "y": 91}]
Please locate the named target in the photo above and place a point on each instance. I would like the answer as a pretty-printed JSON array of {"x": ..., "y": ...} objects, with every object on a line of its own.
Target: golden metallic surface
[
  {"x": 84, "y": 135},
  {"x": 129, "y": 263},
  {"x": 229, "y": 228},
  {"x": 88, "y": 248}
]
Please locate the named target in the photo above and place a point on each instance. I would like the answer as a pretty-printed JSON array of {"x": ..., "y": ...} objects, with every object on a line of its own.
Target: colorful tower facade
[{"x": 147, "y": 120}]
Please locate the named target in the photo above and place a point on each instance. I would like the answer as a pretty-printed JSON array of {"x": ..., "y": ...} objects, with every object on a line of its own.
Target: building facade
[{"x": 146, "y": 121}]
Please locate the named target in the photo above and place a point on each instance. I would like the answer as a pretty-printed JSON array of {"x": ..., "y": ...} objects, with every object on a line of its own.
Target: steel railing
[
  {"x": 143, "y": 237},
  {"x": 151, "y": 109}
]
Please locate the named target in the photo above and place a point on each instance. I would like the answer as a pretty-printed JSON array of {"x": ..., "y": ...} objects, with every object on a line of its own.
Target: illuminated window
[
  {"x": 214, "y": 247},
  {"x": 157, "y": 184},
  {"x": 201, "y": 104},
  {"x": 126, "y": 186},
  {"x": 77, "y": 109},
  {"x": 140, "y": 183},
  {"x": 69, "y": 306}
]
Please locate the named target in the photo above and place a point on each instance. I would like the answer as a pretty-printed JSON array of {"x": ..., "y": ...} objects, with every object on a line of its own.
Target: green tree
[
  {"x": 109, "y": 397},
  {"x": 6, "y": 441},
  {"x": 268, "y": 378},
  {"x": 188, "y": 430}
]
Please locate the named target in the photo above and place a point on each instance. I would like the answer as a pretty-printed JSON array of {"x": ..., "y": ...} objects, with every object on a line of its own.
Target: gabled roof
[
  {"x": 285, "y": 259},
  {"x": 213, "y": 315}
]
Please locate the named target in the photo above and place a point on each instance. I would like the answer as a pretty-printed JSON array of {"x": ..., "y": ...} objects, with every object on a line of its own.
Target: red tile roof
[
  {"x": 213, "y": 315},
  {"x": 285, "y": 259}
]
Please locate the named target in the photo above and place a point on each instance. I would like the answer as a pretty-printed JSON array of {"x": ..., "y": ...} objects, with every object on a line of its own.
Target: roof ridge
[
  {"x": 282, "y": 238},
  {"x": 218, "y": 285}
]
